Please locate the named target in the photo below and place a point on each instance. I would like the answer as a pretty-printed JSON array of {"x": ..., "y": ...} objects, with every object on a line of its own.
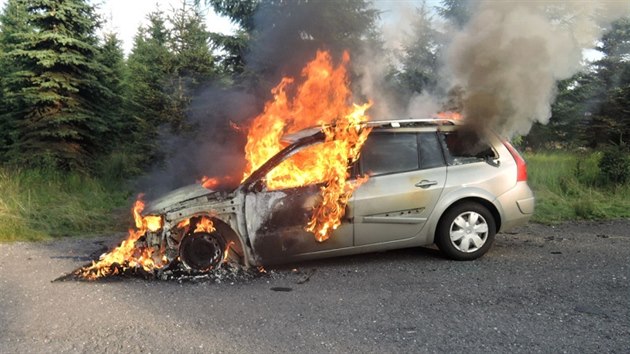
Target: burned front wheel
[
  {"x": 202, "y": 251},
  {"x": 465, "y": 231}
]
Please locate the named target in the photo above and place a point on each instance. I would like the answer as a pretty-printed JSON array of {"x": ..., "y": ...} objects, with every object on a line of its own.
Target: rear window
[{"x": 466, "y": 147}]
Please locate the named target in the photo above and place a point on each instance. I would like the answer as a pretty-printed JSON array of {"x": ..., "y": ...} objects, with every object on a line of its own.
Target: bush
[
  {"x": 38, "y": 204},
  {"x": 614, "y": 165}
]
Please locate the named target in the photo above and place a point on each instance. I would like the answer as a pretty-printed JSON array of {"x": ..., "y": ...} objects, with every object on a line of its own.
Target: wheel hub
[
  {"x": 469, "y": 231},
  {"x": 201, "y": 251}
]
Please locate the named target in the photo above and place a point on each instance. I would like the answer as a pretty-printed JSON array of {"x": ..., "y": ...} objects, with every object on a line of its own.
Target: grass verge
[
  {"x": 568, "y": 186},
  {"x": 38, "y": 205}
]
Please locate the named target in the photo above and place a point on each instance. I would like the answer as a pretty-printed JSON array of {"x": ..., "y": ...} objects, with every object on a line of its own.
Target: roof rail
[{"x": 396, "y": 123}]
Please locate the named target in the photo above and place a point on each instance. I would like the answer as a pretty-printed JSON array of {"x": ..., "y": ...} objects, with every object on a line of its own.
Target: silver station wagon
[{"x": 430, "y": 181}]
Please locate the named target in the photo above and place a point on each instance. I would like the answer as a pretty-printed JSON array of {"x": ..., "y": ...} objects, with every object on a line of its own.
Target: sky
[{"x": 124, "y": 17}]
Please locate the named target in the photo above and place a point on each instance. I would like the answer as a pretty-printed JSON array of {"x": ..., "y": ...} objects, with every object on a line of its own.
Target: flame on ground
[
  {"x": 129, "y": 255},
  {"x": 323, "y": 98}
]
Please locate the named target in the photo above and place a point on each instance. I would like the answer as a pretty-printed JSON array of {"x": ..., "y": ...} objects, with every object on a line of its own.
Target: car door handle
[{"x": 425, "y": 183}]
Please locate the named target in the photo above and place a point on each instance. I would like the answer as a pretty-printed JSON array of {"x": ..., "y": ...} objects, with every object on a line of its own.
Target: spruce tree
[
  {"x": 150, "y": 66},
  {"x": 193, "y": 62},
  {"x": 56, "y": 99},
  {"x": 112, "y": 58},
  {"x": 420, "y": 51},
  {"x": 12, "y": 22},
  {"x": 610, "y": 123}
]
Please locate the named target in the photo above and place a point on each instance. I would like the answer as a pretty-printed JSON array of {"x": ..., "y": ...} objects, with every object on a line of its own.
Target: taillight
[{"x": 521, "y": 166}]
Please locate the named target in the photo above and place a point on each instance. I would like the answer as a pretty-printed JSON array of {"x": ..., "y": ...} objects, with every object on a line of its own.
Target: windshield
[
  {"x": 284, "y": 155},
  {"x": 309, "y": 165}
]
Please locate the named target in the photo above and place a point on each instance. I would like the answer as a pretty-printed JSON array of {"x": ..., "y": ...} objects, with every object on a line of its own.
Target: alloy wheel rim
[{"x": 468, "y": 232}]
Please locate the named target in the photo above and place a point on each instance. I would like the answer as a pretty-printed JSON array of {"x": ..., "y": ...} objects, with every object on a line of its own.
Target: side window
[
  {"x": 385, "y": 153},
  {"x": 430, "y": 151},
  {"x": 463, "y": 148}
]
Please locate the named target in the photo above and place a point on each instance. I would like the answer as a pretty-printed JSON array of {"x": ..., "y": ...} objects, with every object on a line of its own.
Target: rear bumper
[{"x": 517, "y": 206}]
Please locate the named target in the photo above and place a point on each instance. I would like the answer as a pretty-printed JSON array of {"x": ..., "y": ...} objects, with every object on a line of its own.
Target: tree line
[{"x": 71, "y": 99}]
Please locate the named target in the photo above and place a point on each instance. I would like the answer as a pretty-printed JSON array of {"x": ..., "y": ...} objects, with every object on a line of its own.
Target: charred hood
[{"x": 177, "y": 196}]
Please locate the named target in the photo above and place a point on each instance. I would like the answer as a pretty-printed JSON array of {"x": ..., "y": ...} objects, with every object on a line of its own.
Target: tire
[{"x": 465, "y": 232}]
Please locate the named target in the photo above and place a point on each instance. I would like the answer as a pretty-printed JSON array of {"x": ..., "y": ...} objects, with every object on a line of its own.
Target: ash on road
[{"x": 542, "y": 288}]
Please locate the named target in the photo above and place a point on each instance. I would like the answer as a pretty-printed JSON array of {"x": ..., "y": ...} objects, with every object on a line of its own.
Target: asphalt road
[{"x": 541, "y": 289}]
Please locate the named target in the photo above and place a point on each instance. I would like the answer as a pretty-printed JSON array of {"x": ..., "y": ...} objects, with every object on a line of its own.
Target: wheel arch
[
  {"x": 479, "y": 199},
  {"x": 236, "y": 251},
  {"x": 231, "y": 238}
]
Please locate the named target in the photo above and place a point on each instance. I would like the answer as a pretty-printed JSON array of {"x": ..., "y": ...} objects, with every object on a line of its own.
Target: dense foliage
[{"x": 72, "y": 100}]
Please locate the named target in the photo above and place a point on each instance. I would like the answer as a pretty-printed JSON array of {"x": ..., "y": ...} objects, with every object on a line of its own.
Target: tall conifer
[{"x": 56, "y": 98}]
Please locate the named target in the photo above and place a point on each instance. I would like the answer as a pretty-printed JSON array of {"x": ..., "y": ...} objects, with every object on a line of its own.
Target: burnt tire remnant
[{"x": 201, "y": 250}]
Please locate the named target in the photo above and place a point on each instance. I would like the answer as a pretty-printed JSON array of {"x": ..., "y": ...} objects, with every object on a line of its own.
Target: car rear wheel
[{"x": 466, "y": 231}]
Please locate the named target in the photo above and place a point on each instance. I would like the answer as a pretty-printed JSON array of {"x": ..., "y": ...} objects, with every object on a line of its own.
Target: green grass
[
  {"x": 38, "y": 205},
  {"x": 568, "y": 187}
]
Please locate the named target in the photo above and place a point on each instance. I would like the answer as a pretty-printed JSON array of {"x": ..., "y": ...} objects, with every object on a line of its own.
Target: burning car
[
  {"x": 425, "y": 185},
  {"x": 323, "y": 180}
]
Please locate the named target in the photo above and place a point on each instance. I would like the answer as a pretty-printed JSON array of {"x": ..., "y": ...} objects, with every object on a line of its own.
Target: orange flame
[
  {"x": 184, "y": 223},
  {"x": 127, "y": 255},
  {"x": 449, "y": 115},
  {"x": 214, "y": 182},
  {"x": 323, "y": 98},
  {"x": 205, "y": 225},
  {"x": 227, "y": 251},
  {"x": 209, "y": 182}
]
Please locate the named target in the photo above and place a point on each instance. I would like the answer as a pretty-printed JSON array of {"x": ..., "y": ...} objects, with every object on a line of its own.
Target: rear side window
[
  {"x": 389, "y": 153},
  {"x": 466, "y": 147},
  {"x": 430, "y": 150}
]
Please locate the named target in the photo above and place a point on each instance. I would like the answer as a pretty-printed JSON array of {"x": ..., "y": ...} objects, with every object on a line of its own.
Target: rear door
[{"x": 407, "y": 174}]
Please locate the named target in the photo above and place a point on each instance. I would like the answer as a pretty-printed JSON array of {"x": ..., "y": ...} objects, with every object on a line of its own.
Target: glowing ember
[
  {"x": 323, "y": 98},
  {"x": 209, "y": 182},
  {"x": 183, "y": 224},
  {"x": 227, "y": 251},
  {"x": 214, "y": 182},
  {"x": 127, "y": 255}
]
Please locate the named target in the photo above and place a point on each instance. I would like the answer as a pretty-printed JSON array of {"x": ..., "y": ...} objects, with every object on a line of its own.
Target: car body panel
[
  {"x": 276, "y": 222},
  {"x": 395, "y": 199}
]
